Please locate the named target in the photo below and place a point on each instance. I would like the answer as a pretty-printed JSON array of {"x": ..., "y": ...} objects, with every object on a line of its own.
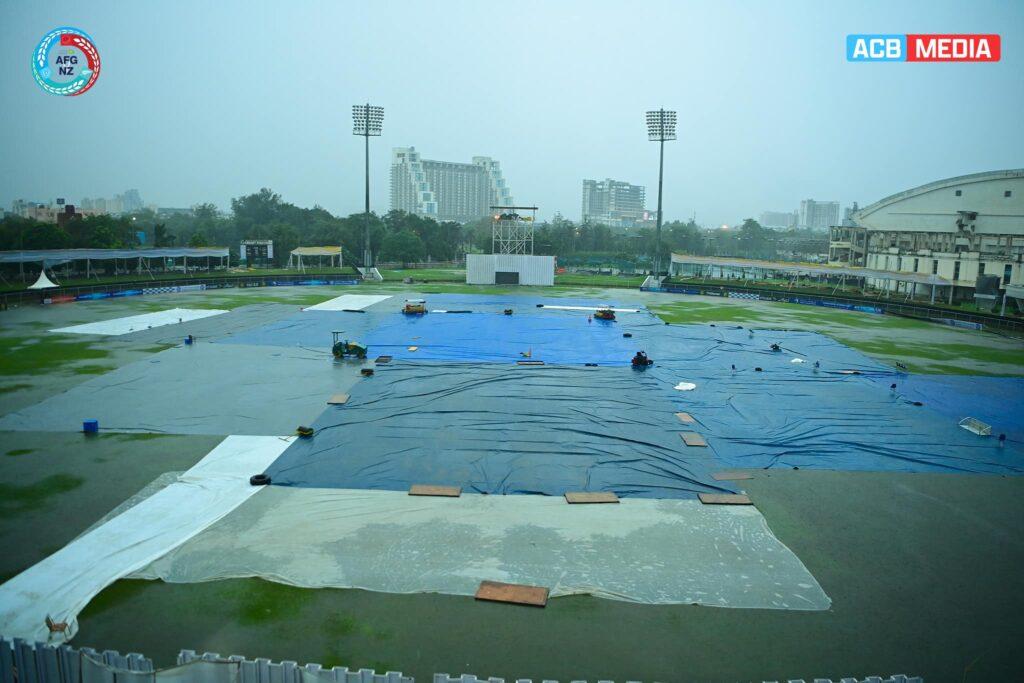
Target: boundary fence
[
  {"x": 23, "y": 662},
  {"x": 143, "y": 287},
  {"x": 921, "y": 311},
  {"x": 908, "y": 309}
]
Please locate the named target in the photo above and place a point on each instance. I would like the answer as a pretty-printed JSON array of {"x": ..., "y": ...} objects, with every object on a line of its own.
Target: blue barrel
[{"x": 91, "y": 426}]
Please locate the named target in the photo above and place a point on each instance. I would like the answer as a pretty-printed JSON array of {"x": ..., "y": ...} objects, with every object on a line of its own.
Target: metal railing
[
  {"x": 36, "y": 296},
  {"x": 911, "y": 309},
  {"x": 25, "y": 662}
]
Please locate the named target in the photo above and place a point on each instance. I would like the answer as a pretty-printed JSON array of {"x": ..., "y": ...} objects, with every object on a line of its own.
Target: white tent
[
  {"x": 295, "y": 257},
  {"x": 43, "y": 282}
]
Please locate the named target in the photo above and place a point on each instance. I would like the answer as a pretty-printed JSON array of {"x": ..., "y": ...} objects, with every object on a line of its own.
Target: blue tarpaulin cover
[
  {"x": 496, "y": 428},
  {"x": 459, "y": 411}
]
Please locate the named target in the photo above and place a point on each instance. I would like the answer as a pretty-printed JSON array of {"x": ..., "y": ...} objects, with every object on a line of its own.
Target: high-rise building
[
  {"x": 818, "y": 215},
  {"x": 128, "y": 202},
  {"x": 778, "y": 219},
  {"x": 446, "y": 190},
  {"x": 131, "y": 201},
  {"x": 613, "y": 203}
]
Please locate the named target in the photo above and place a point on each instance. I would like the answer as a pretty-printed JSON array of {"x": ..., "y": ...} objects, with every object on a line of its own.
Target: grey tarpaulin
[
  {"x": 495, "y": 428},
  {"x": 198, "y": 389}
]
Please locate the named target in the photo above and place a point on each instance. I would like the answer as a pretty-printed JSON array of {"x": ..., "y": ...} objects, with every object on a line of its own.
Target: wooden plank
[
  {"x": 529, "y": 362},
  {"x": 381, "y": 360},
  {"x": 518, "y": 594},
  {"x": 693, "y": 439},
  {"x": 685, "y": 417},
  {"x": 731, "y": 475},
  {"x": 429, "y": 490},
  {"x": 724, "y": 499},
  {"x": 338, "y": 400},
  {"x": 591, "y": 497}
]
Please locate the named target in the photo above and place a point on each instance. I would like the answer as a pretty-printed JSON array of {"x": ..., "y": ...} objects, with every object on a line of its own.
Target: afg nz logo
[
  {"x": 937, "y": 47},
  {"x": 66, "y": 62}
]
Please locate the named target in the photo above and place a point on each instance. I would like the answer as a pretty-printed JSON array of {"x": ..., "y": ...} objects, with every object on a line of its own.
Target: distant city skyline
[{"x": 202, "y": 134}]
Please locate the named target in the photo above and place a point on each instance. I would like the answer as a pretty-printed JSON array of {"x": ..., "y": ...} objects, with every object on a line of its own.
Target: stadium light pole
[
  {"x": 661, "y": 126},
  {"x": 367, "y": 121}
]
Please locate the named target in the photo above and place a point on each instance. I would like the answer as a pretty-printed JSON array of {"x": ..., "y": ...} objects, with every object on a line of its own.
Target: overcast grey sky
[{"x": 204, "y": 101}]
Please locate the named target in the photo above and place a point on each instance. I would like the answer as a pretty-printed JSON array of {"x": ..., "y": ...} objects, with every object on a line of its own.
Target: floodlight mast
[
  {"x": 661, "y": 126},
  {"x": 367, "y": 121},
  {"x": 512, "y": 233}
]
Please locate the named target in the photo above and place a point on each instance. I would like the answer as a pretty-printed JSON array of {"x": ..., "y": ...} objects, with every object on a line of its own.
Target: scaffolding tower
[{"x": 511, "y": 231}]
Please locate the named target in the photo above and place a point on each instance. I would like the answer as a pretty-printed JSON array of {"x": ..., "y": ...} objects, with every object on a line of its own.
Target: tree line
[{"x": 396, "y": 236}]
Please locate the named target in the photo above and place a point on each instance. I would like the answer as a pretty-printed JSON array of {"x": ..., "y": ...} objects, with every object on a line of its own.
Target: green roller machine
[{"x": 343, "y": 348}]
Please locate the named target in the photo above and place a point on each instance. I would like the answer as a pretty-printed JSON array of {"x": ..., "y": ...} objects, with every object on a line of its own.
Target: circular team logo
[{"x": 66, "y": 62}]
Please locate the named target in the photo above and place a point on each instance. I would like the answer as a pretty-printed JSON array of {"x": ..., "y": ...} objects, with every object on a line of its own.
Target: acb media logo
[{"x": 920, "y": 47}]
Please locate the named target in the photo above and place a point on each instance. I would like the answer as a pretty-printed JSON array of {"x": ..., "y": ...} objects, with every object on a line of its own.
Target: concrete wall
[{"x": 533, "y": 270}]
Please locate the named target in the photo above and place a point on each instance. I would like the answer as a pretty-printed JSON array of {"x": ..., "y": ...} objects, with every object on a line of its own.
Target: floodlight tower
[
  {"x": 661, "y": 126},
  {"x": 367, "y": 121},
  {"x": 512, "y": 232}
]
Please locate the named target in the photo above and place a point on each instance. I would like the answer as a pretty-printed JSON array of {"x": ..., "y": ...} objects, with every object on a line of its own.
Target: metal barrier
[
  {"x": 22, "y": 662},
  {"x": 908, "y": 309},
  {"x": 140, "y": 287}
]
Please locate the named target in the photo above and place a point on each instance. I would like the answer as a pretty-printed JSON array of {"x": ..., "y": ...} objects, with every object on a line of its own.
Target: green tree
[
  {"x": 285, "y": 239},
  {"x": 46, "y": 236},
  {"x": 198, "y": 239},
  {"x": 161, "y": 237},
  {"x": 405, "y": 247}
]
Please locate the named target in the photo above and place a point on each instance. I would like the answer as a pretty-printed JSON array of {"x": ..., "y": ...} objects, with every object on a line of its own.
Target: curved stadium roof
[{"x": 938, "y": 185}]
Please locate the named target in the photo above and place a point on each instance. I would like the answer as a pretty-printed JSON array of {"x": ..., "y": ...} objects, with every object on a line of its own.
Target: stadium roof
[
  {"x": 54, "y": 256},
  {"x": 811, "y": 269},
  {"x": 938, "y": 184}
]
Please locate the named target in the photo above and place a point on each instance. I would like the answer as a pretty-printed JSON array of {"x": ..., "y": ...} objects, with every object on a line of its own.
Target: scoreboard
[{"x": 256, "y": 252}]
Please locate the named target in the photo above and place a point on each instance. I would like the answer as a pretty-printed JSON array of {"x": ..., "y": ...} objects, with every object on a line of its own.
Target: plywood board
[
  {"x": 724, "y": 499},
  {"x": 338, "y": 399},
  {"x": 383, "y": 359},
  {"x": 496, "y": 591},
  {"x": 428, "y": 490},
  {"x": 591, "y": 497},
  {"x": 731, "y": 475},
  {"x": 685, "y": 417},
  {"x": 414, "y": 348},
  {"x": 693, "y": 439}
]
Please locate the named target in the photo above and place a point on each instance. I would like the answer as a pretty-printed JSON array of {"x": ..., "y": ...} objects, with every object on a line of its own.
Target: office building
[
  {"x": 778, "y": 219},
  {"x": 818, "y": 215},
  {"x": 614, "y": 203},
  {"x": 446, "y": 190}
]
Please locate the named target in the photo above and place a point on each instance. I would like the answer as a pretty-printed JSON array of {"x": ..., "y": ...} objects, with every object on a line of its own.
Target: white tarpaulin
[
  {"x": 135, "y": 323},
  {"x": 642, "y": 550},
  {"x": 349, "y": 302},
  {"x": 62, "y": 584},
  {"x": 592, "y": 308}
]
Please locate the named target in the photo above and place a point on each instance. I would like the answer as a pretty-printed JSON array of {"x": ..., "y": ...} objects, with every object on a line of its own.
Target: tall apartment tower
[
  {"x": 818, "y": 215},
  {"x": 446, "y": 190},
  {"x": 613, "y": 203}
]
